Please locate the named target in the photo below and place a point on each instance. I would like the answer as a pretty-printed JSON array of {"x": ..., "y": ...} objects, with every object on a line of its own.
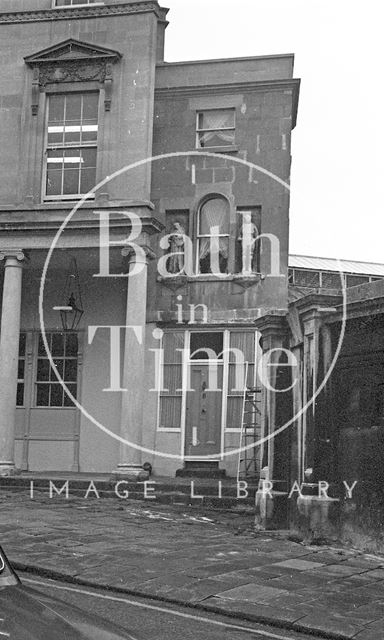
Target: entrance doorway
[
  {"x": 204, "y": 398},
  {"x": 203, "y": 413},
  {"x": 47, "y": 421}
]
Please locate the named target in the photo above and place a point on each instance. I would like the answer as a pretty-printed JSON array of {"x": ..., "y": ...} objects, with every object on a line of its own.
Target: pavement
[{"x": 199, "y": 557}]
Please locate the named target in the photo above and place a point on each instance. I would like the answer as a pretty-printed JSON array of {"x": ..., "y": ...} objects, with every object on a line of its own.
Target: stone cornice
[
  {"x": 292, "y": 84},
  {"x": 28, "y": 212},
  {"x": 78, "y": 13},
  {"x": 235, "y": 87},
  {"x": 149, "y": 224}
]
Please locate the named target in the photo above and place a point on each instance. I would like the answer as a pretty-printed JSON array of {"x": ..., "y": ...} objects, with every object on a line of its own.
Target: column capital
[
  {"x": 15, "y": 254},
  {"x": 272, "y": 325},
  {"x": 142, "y": 257}
]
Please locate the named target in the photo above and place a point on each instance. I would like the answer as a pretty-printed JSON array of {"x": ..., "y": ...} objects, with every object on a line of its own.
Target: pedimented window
[{"x": 72, "y": 61}]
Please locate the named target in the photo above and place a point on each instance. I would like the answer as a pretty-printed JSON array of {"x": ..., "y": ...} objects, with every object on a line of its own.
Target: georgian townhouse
[{"x": 104, "y": 140}]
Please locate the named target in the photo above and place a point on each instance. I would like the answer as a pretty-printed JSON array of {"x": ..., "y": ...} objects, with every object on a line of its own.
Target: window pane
[
  {"x": 56, "y": 398},
  {"x": 72, "y": 158},
  {"x": 71, "y": 181},
  {"x": 245, "y": 342},
  {"x": 67, "y": 400},
  {"x": 41, "y": 348},
  {"x": 56, "y": 109},
  {"x": 22, "y": 342},
  {"x": 71, "y": 344},
  {"x": 55, "y": 135},
  {"x": 88, "y": 169},
  {"x": 88, "y": 180},
  {"x": 42, "y": 395},
  {"x": 217, "y": 119},
  {"x": 90, "y": 108},
  {"x": 89, "y": 133},
  {"x": 72, "y": 134},
  {"x": 216, "y": 139},
  {"x": 57, "y": 347},
  {"x": 68, "y": 3},
  {"x": 54, "y": 171},
  {"x": 70, "y": 371},
  {"x": 73, "y": 108},
  {"x": 88, "y": 157},
  {"x": 59, "y": 364},
  {"x": 214, "y": 214},
  {"x": 206, "y": 340},
  {"x": 43, "y": 368},
  {"x": 20, "y": 370},
  {"x": 20, "y": 394},
  {"x": 54, "y": 178}
]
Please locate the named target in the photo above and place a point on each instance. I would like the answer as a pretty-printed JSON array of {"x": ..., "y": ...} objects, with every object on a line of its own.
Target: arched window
[{"x": 213, "y": 236}]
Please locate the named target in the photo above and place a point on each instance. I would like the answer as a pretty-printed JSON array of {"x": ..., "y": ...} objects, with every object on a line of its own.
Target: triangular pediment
[{"x": 72, "y": 49}]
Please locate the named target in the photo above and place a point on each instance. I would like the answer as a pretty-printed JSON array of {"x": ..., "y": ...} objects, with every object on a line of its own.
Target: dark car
[{"x": 27, "y": 614}]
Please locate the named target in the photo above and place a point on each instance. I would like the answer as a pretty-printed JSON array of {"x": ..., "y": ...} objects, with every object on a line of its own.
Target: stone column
[
  {"x": 317, "y": 356},
  {"x": 9, "y": 355},
  {"x": 130, "y": 462},
  {"x": 271, "y": 502},
  {"x": 274, "y": 334}
]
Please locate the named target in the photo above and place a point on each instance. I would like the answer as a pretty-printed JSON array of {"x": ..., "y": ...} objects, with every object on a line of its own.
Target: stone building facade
[{"x": 182, "y": 154}]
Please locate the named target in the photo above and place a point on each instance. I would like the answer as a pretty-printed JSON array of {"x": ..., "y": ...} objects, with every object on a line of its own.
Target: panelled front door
[
  {"x": 47, "y": 422},
  {"x": 203, "y": 412}
]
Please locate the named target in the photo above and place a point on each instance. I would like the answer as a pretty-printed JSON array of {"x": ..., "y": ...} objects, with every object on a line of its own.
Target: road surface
[{"x": 153, "y": 620}]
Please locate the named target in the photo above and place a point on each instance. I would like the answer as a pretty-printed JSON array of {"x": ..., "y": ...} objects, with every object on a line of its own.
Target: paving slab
[
  {"x": 298, "y": 564},
  {"x": 208, "y": 559},
  {"x": 331, "y": 624}
]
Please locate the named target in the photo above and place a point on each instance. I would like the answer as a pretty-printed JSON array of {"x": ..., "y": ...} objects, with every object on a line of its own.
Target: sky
[{"x": 338, "y": 143}]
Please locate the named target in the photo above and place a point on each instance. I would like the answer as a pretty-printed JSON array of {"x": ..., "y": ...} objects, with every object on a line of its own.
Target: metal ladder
[{"x": 248, "y": 468}]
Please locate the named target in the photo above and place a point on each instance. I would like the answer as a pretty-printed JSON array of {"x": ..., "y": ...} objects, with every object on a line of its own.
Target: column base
[
  {"x": 8, "y": 469},
  {"x": 133, "y": 472}
]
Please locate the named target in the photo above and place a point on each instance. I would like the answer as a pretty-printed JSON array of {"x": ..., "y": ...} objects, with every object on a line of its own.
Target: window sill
[
  {"x": 67, "y": 199},
  {"x": 229, "y": 149}
]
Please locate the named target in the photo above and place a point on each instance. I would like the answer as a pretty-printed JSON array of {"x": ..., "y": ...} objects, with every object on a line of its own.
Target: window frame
[
  {"x": 199, "y": 236},
  {"x": 22, "y": 358},
  {"x": 199, "y": 131},
  {"x": 84, "y": 3},
  {"x": 163, "y": 394},
  {"x": 224, "y": 362},
  {"x": 35, "y": 382},
  {"x": 81, "y": 145}
]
